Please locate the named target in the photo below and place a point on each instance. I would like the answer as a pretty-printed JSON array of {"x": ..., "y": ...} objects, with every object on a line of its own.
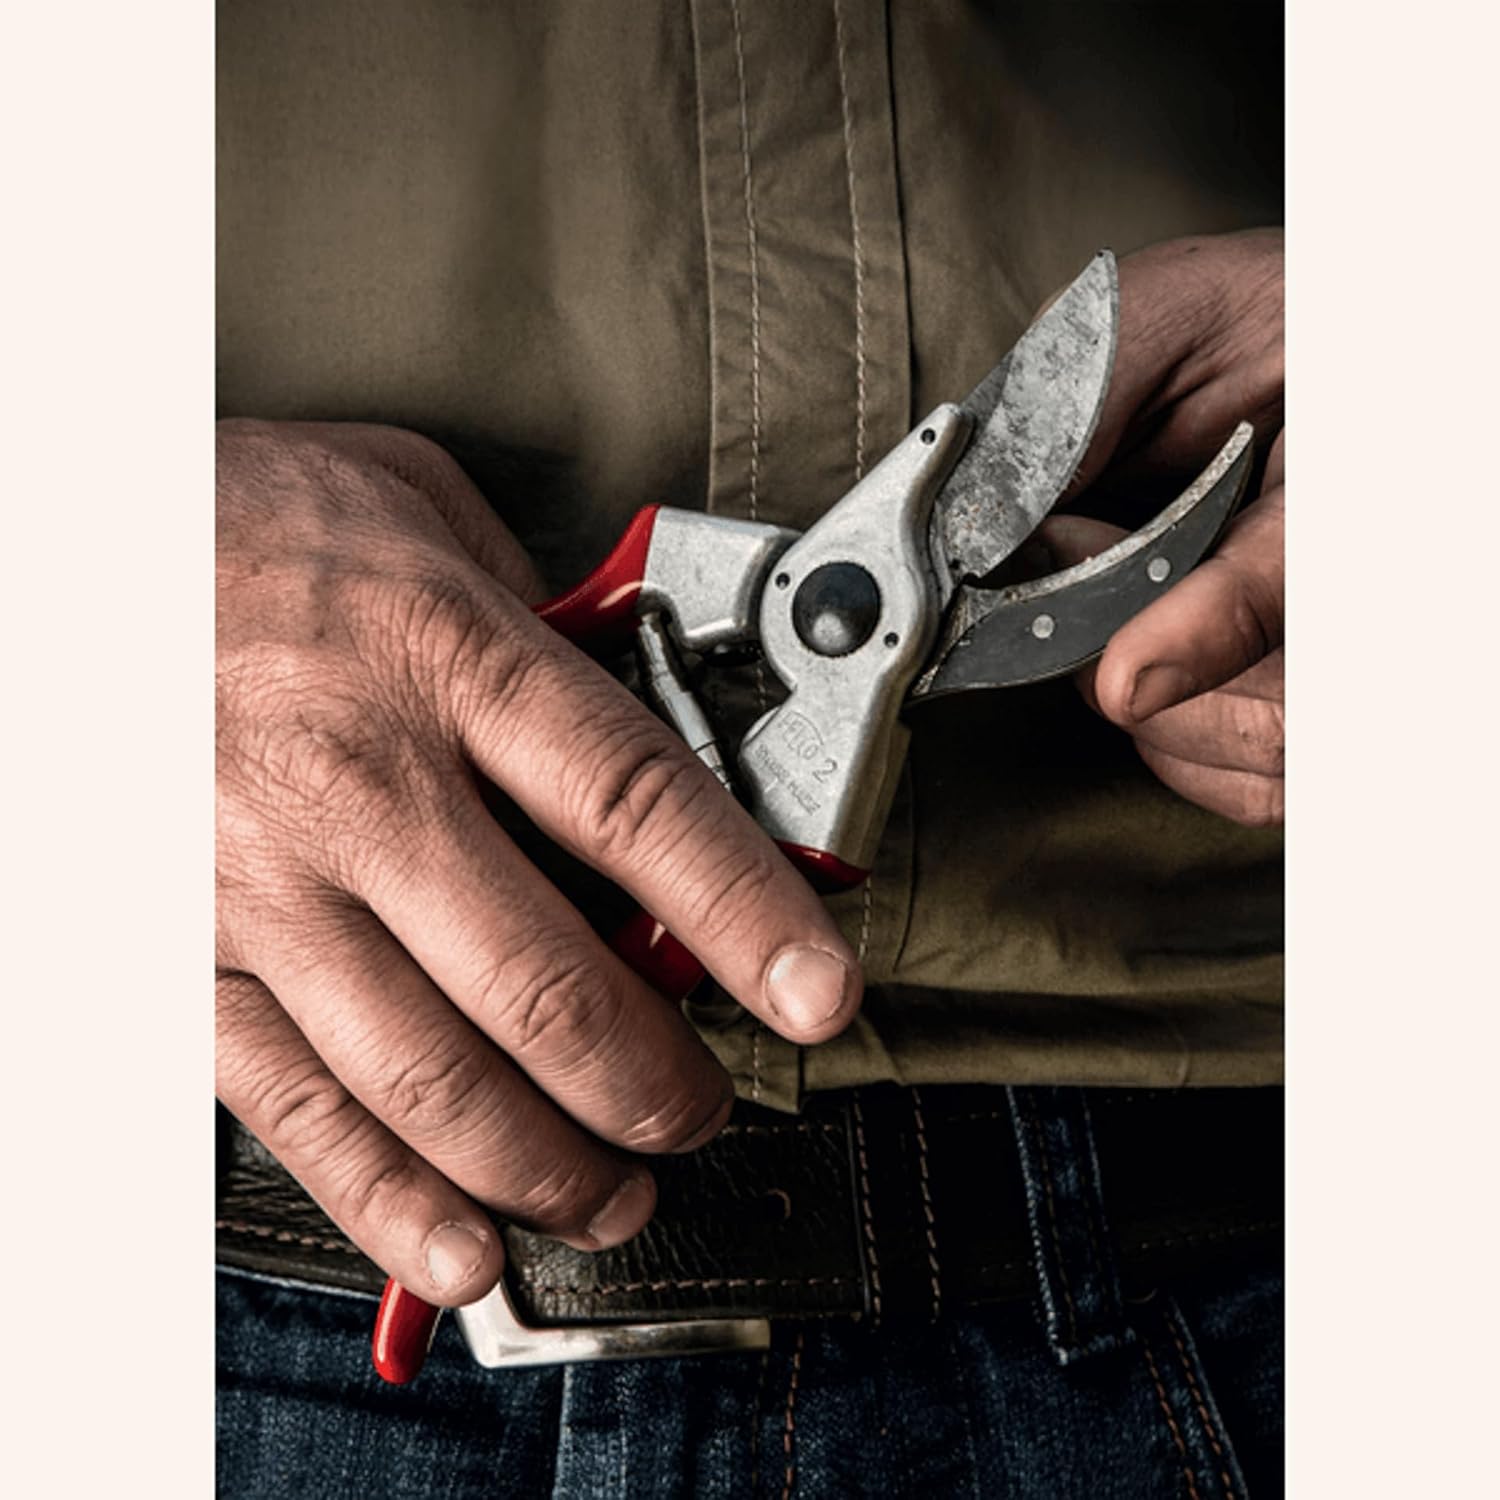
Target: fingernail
[
  {"x": 1159, "y": 687},
  {"x": 625, "y": 1215},
  {"x": 453, "y": 1255},
  {"x": 807, "y": 986}
]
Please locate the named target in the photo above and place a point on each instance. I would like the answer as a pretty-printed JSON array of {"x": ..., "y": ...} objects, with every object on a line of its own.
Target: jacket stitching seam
[
  {"x": 754, "y": 255},
  {"x": 866, "y": 1216},
  {"x": 859, "y": 266},
  {"x": 864, "y": 921}
]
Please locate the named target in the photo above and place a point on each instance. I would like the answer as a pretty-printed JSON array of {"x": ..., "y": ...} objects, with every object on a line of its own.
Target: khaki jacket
[{"x": 722, "y": 254}]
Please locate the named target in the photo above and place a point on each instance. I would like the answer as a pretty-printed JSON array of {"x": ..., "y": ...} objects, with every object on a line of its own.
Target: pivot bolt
[{"x": 836, "y": 608}]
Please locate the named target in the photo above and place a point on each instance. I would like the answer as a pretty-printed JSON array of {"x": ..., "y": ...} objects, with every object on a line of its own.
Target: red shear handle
[
  {"x": 826, "y": 873},
  {"x": 404, "y": 1329},
  {"x": 600, "y": 611},
  {"x": 405, "y": 1324},
  {"x": 653, "y": 953}
]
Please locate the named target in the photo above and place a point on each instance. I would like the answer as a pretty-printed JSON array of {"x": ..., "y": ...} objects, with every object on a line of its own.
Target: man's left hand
[{"x": 1197, "y": 678}]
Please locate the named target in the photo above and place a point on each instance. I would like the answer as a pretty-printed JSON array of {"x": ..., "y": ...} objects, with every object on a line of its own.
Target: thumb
[{"x": 1218, "y": 621}]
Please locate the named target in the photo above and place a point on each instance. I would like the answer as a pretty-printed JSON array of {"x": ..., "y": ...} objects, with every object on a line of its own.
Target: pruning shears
[{"x": 883, "y": 604}]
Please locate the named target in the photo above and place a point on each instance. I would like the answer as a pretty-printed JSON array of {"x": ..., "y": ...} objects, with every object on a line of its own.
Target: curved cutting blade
[
  {"x": 997, "y": 638},
  {"x": 1033, "y": 415}
]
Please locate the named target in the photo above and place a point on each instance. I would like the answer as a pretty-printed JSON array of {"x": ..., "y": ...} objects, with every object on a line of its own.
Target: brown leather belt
[{"x": 887, "y": 1204}]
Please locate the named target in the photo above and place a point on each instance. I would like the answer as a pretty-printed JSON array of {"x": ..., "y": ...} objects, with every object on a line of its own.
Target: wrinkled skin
[
  {"x": 410, "y": 1016},
  {"x": 1196, "y": 679}
]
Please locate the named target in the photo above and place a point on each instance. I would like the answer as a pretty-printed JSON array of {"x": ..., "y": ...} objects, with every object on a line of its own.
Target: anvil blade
[{"x": 996, "y": 638}]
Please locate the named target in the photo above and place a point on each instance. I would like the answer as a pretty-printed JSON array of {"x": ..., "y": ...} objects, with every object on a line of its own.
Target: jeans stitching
[
  {"x": 760, "y": 1395},
  {"x": 1093, "y": 1199},
  {"x": 1209, "y": 1429},
  {"x": 788, "y": 1436},
  {"x": 1062, "y": 1269},
  {"x": 1172, "y": 1427},
  {"x": 1206, "y": 1236}
]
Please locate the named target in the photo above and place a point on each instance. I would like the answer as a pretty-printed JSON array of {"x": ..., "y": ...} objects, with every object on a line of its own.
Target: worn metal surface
[
  {"x": 821, "y": 769},
  {"x": 499, "y": 1340},
  {"x": 666, "y": 688},
  {"x": 1030, "y": 631},
  {"x": 706, "y": 573},
  {"x": 1034, "y": 415},
  {"x": 945, "y": 507}
]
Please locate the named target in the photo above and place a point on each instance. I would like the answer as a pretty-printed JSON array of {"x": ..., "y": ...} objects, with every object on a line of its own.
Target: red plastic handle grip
[
  {"x": 404, "y": 1324},
  {"x": 404, "y": 1329},
  {"x": 597, "y": 613},
  {"x": 600, "y": 611},
  {"x": 826, "y": 873}
]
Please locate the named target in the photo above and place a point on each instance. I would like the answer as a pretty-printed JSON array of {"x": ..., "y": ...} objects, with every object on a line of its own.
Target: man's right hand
[{"x": 410, "y": 1016}]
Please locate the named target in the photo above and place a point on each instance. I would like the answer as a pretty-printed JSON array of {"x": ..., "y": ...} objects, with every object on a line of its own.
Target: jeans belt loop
[{"x": 1072, "y": 1247}]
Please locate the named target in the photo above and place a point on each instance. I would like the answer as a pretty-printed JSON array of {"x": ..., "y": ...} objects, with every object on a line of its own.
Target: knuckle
[
  {"x": 442, "y": 620},
  {"x": 343, "y": 761},
  {"x": 1262, "y": 804},
  {"x": 727, "y": 904},
  {"x": 303, "y": 1112},
  {"x": 377, "y": 1198},
  {"x": 1255, "y": 615},
  {"x": 470, "y": 641},
  {"x": 509, "y": 670},
  {"x": 1260, "y": 731},
  {"x": 436, "y": 1092},
  {"x": 341, "y": 779},
  {"x": 562, "y": 1009},
  {"x": 563, "y": 1200},
  {"x": 676, "y": 1125},
  {"x": 644, "y": 790}
]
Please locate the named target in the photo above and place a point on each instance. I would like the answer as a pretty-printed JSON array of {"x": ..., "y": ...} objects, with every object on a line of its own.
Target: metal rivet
[
  {"x": 892, "y": 639},
  {"x": 1158, "y": 569},
  {"x": 1043, "y": 626},
  {"x": 783, "y": 579},
  {"x": 928, "y": 435}
]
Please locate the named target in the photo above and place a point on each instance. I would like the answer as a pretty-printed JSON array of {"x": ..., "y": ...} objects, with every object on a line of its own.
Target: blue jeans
[
  {"x": 973, "y": 1406},
  {"x": 1088, "y": 1389}
]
